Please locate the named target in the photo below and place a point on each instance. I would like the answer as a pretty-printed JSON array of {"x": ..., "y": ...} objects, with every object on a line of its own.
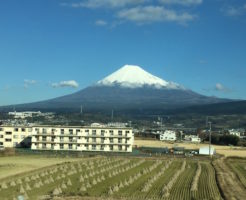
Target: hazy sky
[{"x": 50, "y": 48}]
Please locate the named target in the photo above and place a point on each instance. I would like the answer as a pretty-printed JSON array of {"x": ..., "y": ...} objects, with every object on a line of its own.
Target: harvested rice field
[{"x": 116, "y": 178}]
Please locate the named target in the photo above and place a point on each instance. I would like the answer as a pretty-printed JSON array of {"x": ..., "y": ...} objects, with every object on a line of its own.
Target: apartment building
[
  {"x": 15, "y": 136},
  {"x": 74, "y": 138},
  {"x": 102, "y": 138}
]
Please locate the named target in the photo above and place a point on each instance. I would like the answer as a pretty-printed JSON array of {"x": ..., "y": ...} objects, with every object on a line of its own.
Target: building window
[
  {"x": 1, "y": 129},
  {"x": 52, "y": 146},
  {"x": 16, "y": 136},
  {"x": 102, "y": 147},
  {"x": 102, "y": 132},
  {"x": 8, "y": 133},
  {"x": 102, "y": 140},
  {"x": 87, "y": 139},
  {"x": 71, "y": 131},
  {"x": 86, "y": 146},
  {"x": 87, "y": 132},
  {"x": 111, "y": 132},
  {"x": 120, "y": 148},
  {"x": 111, "y": 147},
  {"x": 1, "y": 143},
  {"x": 44, "y": 146},
  {"x": 120, "y": 133},
  {"x": 111, "y": 140},
  {"x": 61, "y": 146},
  {"x": 16, "y": 129},
  {"x": 44, "y": 138},
  {"x": 119, "y": 140},
  {"x": 94, "y": 140},
  {"x": 8, "y": 140},
  {"x": 70, "y": 139},
  {"x": 70, "y": 146},
  {"x": 127, "y": 132},
  {"x": 37, "y": 130},
  {"x": 53, "y": 130},
  {"x": 62, "y": 131},
  {"x": 44, "y": 130},
  {"x": 93, "y": 147},
  {"x": 94, "y": 132},
  {"x": 77, "y": 131},
  {"x": 23, "y": 129},
  {"x": 1, "y": 136}
]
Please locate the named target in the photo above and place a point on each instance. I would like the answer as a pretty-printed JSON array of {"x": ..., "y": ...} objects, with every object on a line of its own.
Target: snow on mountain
[{"x": 132, "y": 76}]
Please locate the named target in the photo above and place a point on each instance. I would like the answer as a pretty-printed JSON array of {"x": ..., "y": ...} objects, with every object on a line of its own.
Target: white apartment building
[
  {"x": 14, "y": 136},
  {"x": 74, "y": 138},
  {"x": 91, "y": 138},
  {"x": 168, "y": 135}
]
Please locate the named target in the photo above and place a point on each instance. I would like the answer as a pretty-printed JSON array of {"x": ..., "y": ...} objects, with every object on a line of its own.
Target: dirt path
[{"x": 230, "y": 185}]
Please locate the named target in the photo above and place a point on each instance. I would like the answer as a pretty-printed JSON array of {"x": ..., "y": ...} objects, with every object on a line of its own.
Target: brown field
[
  {"x": 223, "y": 150},
  {"x": 13, "y": 165}
]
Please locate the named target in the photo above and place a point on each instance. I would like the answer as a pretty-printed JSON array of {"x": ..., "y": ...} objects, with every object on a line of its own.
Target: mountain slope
[{"x": 129, "y": 88}]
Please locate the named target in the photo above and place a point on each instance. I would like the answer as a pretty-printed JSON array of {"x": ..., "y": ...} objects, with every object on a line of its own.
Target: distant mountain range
[{"x": 129, "y": 88}]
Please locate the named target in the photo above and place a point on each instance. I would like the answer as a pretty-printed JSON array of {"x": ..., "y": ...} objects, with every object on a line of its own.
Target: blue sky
[{"x": 50, "y": 48}]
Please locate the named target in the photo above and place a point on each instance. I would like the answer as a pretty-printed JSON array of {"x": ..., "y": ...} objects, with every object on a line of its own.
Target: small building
[
  {"x": 205, "y": 150},
  {"x": 178, "y": 150},
  {"x": 235, "y": 132},
  {"x": 192, "y": 138},
  {"x": 168, "y": 135}
]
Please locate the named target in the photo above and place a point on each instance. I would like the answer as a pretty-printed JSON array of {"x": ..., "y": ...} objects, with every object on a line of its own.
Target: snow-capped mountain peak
[{"x": 132, "y": 76}]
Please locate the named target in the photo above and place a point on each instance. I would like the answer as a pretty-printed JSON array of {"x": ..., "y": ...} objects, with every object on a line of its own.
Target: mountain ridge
[{"x": 129, "y": 88}]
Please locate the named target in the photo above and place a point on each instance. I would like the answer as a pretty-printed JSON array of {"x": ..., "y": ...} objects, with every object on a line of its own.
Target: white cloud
[
  {"x": 148, "y": 14},
  {"x": 31, "y": 82},
  {"x": 101, "y": 22},
  {"x": 104, "y": 3},
  {"x": 182, "y": 2},
  {"x": 221, "y": 88},
  {"x": 70, "y": 83},
  {"x": 28, "y": 82},
  {"x": 233, "y": 11}
]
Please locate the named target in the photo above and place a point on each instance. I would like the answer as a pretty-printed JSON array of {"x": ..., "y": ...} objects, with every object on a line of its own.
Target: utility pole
[
  {"x": 81, "y": 109},
  {"x": 112, "y": 115},
  {"x": 161, "y": 123},
  {"x": 210, "y": 129}
]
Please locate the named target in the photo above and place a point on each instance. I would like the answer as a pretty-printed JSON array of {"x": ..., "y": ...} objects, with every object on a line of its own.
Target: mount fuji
[{"x": 129, "y": 88}]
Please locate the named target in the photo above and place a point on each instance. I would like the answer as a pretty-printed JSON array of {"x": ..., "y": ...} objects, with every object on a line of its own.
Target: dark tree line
[{"x": 224, "y": 139}]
